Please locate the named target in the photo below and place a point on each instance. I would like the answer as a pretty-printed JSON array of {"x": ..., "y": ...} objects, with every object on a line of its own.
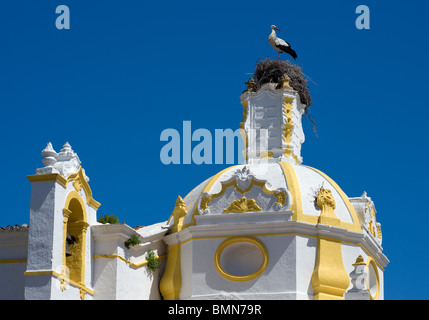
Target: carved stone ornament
[
  {"x": 242, "y": 184},
  {"x": 242, "y": 205},
  {"x": 179, "y": 212},
  {"x": 325, "y": 201}
]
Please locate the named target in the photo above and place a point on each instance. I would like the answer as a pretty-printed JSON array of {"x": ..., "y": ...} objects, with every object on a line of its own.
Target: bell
[
  {"x": 69, "y": 240},
  {"x": 68, "y": 253}
]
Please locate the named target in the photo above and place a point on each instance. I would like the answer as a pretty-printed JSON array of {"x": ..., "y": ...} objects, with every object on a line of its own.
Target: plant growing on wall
[
  {"x": 132, "y": 241},
  {"x": 152, "y": 260},
  {"x": 108, "y": 219}
]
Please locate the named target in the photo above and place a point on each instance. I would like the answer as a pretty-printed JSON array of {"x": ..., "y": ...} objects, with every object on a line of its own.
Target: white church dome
[{"x": 272, "y": 188}]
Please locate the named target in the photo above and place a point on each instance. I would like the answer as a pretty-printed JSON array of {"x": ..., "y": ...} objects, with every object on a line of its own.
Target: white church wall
[
  {"x": 306, "y": 250},
  {"x": 122, "y": 273},
  {"x": 202, "y": 280}
]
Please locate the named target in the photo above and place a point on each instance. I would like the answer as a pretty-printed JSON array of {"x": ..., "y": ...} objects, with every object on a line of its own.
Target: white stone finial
[
  {"x": 67, "y": 161},
  {"x": 66, "y": 153},
  {"x": 49, "y": 155},
  {"x": 358, "y": 279}
]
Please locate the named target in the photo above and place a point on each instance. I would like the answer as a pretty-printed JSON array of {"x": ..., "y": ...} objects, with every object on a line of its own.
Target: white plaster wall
[
  {"x": 277, "y": 282},
  {"x": 306, "y": 253},
  {"x": 38, "y": 287},
  {"x": 186, "y": 265},
  {"x": 41, "y": 237},
  {"x": 105, "y": 271},
  {"x": 139, "y": 283},
  {"x": 116, "y": 279}
]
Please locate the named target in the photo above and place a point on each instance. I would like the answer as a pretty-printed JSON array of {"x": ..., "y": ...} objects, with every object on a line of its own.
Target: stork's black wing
[{"x": 287, "y": 49}]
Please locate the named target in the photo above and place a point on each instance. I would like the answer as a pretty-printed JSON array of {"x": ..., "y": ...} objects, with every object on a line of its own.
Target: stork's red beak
[{"x": 277, "y": 29}]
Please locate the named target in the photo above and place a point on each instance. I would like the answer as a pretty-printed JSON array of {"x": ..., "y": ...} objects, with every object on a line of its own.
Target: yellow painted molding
[
  {"x": 79, "y": 182},
  {"x": 171, "y": 281},
  {"x": 293, "y": 187},
  {"x": 48, "y": 177},
  {"x": 131, "y": 264},
  {"x": 329, "y": 279},
  {"x": 206, "y": 188},
  {"x": 60, "y": 276},
  {"x": 238, "y": 239},
  {"x": 288, "y": 126},
  {"x": 371, "y": 261},
  {"x": 266, "y": 154},
  {"x": 75, "y": 223},
  {"x": 13, "y": 261}
]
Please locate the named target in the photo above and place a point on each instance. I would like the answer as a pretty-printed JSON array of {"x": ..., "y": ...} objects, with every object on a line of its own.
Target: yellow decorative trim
[
  {"x": 293, "y": 187},
  {"x": 266, "y": 155},
  {"x": 325, "y": 201},
  {"x": 288, "y": 126},
  {"x": 242, "y": 205},
  {"x": 131, "y": 264},
  {"x": 179, "y": 214},
  {"x": 296, "y": 159},
  {"x": 62, "y": 277},
  {"x": 205, "y": 202},
  {"x": 75, "y": 222},
  {"x": 171, "y": 281},
  {"x": 371, "y": 227},
  {"x": 329, "y": 279},
  {"x": 284, "y": 82},
  {"x": 281, "y": 198},
  {"x": 369, "y": 261},
  {"x": 13, "y": 261},
  {"x": 48, "y": 177},
  {"x": 232, "y": 240},
  {"x": 378, "y": 231},
  {"x": 206, "y": 188},
  {"x": 359, "y": 261},
  {"x": 82, "y": 294},
  {"x": 79, "y": 182}
]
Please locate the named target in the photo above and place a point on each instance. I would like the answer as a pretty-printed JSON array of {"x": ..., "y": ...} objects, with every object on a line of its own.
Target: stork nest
[{"x": 271, "y": 71}]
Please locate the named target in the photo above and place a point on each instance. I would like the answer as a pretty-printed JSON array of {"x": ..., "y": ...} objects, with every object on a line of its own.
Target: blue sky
[{"x": 127, "y": 70}]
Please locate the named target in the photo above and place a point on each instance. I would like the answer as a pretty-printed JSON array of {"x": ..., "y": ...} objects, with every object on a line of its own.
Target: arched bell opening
[{"x": 74, "y": 235}]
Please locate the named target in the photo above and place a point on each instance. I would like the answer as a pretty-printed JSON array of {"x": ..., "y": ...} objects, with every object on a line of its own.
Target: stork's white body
[
  {"x": 274, "y": 41},
  {"x": 279, "y": 44}
]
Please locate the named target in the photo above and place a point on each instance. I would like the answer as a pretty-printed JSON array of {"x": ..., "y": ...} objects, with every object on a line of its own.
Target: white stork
[{"x": 279, "y": 44}]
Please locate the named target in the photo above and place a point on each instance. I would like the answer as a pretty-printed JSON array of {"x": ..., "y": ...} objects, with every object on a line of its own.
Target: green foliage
[
  {"x": 152, "y": 261},
  {"x": 108, "y": 219},
  {"x": 132, "y": 241}
]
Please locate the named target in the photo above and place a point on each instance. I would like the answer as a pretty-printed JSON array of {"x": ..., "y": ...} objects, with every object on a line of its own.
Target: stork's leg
[{"x": 279, "y": 55}]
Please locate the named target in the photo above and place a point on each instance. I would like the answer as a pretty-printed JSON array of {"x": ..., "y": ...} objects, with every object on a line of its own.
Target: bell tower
[{"x": 61, "y": 211}]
